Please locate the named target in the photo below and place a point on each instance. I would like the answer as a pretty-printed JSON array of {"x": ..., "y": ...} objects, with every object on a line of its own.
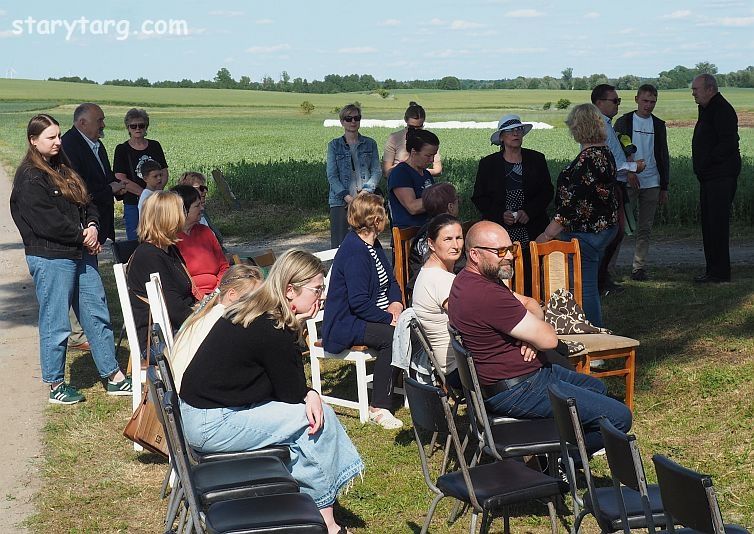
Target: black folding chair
[
  {"x": 236, "y": 496},
  {"x": 627, "y": 468},
  {"x": 690, "y": 499},
  {"x": 487, "y": 488},
  {"x": 603, "y": 503}
]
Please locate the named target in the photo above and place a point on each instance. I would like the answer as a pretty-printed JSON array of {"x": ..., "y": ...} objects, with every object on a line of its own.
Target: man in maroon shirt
[{"x": 507, "y": 336}]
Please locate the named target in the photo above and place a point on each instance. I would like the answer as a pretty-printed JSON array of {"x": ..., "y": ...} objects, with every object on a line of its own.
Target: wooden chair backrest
[
  {"x": 402, "y": 238},
  {"x": 551, "y": 266},
  {"x": 518, "y": 271},
  {"x": 224, "y": 188}
]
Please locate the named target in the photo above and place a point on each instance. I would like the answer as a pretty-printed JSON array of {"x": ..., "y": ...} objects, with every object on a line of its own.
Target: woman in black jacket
[
  {"x": 59, "y": 226},
  {"x": 513, "y": 187}
]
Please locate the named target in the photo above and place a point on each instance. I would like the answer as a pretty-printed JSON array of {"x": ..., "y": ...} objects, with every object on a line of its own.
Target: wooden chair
[
  {"x": 517, "y": 282},
  {"x": 551, "y": 265},
  {"x": 402, "y": 238},
  {"x": 262, "y": 259}
]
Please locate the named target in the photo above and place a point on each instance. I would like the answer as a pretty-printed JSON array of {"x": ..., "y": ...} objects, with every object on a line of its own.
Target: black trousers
[
  {"x": 338, "y": 225},
  {"x": 612, "y": 250},
  {"x": 379, "y": 336},
  {"x": 715, "y": 200}
]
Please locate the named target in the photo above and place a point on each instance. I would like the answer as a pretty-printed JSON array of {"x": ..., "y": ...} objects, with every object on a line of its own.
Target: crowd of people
[{"x": 237, "y": 358}]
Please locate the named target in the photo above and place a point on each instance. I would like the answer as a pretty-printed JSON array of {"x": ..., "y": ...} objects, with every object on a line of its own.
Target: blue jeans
[
  {"x": 592, "y": 247},
  {"x": 322, "y": 464},
  {"x": 61, "y": 284},
  {"x": 530, "y": 400},
  {"x": 131, "y": 220}
]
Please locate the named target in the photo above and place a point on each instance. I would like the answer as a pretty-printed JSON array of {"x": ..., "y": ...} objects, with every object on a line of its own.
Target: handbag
[{"x": 145, "y": 428}]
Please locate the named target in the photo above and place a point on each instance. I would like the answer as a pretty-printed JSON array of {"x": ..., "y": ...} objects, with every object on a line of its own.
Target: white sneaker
[{"x": 385, "y": 419}]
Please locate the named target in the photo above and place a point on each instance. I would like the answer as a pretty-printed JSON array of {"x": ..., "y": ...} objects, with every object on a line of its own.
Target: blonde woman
[
  {"x": 237, "y": 281},
  {"x": 162, "y": 219},
  {"x": 245, "y": 388}
]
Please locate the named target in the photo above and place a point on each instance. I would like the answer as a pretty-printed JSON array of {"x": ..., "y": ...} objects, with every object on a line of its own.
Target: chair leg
[
  {"x": 507, "y": 521},
  {"x": 487, "y": 522},
  {"x": 430, "y": 513},
  {"x": 446, "y": 456},
  {"x": 553, "y": 516},
  {"x": 630, "y": 378},
  {"x": 361, "y": 385},
  {"x": 120, "y": 339},
  {"x": 472, "y": 528},
  {"x": 166, "y": 481},
  {"x": 174, "y": 503},
  {"x": 577, "y": 522}
]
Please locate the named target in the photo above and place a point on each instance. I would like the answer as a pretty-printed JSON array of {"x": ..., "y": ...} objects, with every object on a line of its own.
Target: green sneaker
[
  {"x": 121, "y": 388},
  {"x": 65, "y": 394}
]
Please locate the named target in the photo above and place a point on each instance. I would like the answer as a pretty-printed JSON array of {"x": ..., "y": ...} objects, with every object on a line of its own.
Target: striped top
[{"x": 382, "y": 300}]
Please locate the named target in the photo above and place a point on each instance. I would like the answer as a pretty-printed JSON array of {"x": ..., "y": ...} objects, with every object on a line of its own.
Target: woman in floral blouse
[{"x": 586, "y": 207}]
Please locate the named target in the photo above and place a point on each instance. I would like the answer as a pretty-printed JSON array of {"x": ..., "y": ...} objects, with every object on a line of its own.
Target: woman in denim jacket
[{"x": 353, "y": 165}]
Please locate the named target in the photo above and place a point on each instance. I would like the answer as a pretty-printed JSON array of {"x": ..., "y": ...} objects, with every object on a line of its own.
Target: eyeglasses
[
  {"x": 615, "y": 101},
  {"x": 202, "y": 188},
  {"x": 137, "y": 126},
  {"x": 516, "y": 130},
  {"x": 316, "y": 290},
  {"x": 354, "y": 118},
  {"x": 500, "y": 251}
]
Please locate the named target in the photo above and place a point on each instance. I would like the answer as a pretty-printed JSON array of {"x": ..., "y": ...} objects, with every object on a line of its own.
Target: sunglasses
[
  {"x": 615, "y": 101},
  {"x": 501, "y": 251},
  {"x": 354, "y": 118},
  {"x": 516, "y": 130},
  {"x": 137, "y": 126}
]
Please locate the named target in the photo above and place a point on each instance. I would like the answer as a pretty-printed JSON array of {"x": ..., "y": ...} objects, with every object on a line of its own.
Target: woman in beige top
[{"x": 395, "y": 148}]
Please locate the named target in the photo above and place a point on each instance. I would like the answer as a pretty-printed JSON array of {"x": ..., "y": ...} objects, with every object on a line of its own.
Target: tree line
[{"x": 678, "y": 77}]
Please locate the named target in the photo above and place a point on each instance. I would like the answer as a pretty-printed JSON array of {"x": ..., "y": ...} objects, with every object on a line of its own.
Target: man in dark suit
[
  {"x": 89, "y": 159},
  {"x": 717, "y": 164}
]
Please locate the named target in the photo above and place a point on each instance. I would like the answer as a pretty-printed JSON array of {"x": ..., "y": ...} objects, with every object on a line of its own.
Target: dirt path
[{"x": 22, "y": 409}]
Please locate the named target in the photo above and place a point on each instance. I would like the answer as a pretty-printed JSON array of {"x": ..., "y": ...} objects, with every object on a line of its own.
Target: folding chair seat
[
  {"x": 603, "y": 503},
  {"x": 270, "y": 510},
  {"x": 402, "y": 239},
  {"x": 557, "y": 264},
  {"x": 486, "y": 488},
  {"x": 690, "y": 500}
]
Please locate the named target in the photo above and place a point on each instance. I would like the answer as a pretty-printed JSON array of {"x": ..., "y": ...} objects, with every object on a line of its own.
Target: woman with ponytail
[{"x": 59, "y": 226}]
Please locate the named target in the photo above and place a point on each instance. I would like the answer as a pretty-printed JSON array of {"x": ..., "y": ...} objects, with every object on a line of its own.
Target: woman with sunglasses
[
  {"x": 353, "y": 165},
  {"x": 127, "y": 161},
  {"x": 513, "y": 187}
]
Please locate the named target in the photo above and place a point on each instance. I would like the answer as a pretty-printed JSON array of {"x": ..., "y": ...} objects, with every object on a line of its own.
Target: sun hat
[{"x": 508, "y": 122}]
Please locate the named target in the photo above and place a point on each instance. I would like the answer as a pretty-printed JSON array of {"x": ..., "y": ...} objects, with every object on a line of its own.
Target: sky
[{"x": 419, "y": 39}]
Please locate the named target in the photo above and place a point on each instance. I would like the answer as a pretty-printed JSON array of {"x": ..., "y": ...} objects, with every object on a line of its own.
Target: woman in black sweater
[
  {"x": 245, "y": 387},
  {"x": 162, "y": 218}
]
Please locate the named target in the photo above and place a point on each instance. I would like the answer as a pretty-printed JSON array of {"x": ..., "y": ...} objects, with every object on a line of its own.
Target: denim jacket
[{"x": 339, "y": 167}]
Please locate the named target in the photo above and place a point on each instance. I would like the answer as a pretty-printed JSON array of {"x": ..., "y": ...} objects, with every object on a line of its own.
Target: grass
[{"x": 694, "y": 385}]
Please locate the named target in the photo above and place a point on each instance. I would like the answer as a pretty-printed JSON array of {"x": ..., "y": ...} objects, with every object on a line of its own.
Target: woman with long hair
[
  {"x": 395, "y": 149},
  {"x": 245, "y": 387},
  {"x": 59, "y": 226},
  {"x": 364, "y": 302}
]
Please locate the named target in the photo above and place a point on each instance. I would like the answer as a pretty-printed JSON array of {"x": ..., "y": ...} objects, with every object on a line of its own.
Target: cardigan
[
  {"x": 352, "y": 296},
  {"x": 489, "y": 189}
]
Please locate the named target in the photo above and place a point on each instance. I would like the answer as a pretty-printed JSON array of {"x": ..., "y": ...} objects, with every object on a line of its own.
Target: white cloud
[
  {"x": 524, "y": 13},
  {"x": 730, "y": 22},
  {"x": 268, "y": 49},
  {"x": 263, "y": 21},
  {"x": 358, "y": 50},
  {"x": 680, "y": 14},
  {"x": 520, "y": 50},
  {"x": 3, "y": 12},
  {"x": 464, "y": 25},
  {"x": 447, "y": 53},
  {"x": 225, "y": 13},
  {"x": 626, "y": 31},
  {"x": 389, "y": 22},
  {"x": 437, "y": 22},
  {"x": 592, "y": 15},
  {"x": 631, "y": 53}
]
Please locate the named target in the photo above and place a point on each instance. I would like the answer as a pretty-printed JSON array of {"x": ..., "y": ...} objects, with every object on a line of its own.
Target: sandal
[{"x": 385, "y": 419}]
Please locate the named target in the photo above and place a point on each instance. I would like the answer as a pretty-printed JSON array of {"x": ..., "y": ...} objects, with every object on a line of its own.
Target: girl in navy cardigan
[{"x": 364, "y": 301}]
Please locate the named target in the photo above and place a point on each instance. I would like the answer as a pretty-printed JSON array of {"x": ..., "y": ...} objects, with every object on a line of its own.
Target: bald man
[{"x": 507, "y": 336}]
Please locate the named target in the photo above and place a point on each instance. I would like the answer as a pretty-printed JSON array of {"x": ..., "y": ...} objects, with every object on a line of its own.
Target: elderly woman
[
  {"x": 245, "y": 387},
  {"x": 395, "y": 148},
  {"x": 586, "y": 207},
  {"x": 353, "y": 165},
  {"x": 59, "y": 226},
  {"x": 409, "y": 179},
  {"x": 513, "y": 187},
  {"x": 127, "y": 161},
  {"x": 199, "y": 247},
  {"x": 162, "y": 219},
  {"x": 364, "y": 301}
]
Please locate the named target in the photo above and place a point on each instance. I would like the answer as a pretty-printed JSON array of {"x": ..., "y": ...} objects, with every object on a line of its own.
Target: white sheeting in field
[{"x": 448, "y": 125}]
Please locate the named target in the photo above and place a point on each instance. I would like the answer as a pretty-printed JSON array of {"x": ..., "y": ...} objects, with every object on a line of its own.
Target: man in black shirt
[{"x": 717, "y": 164}]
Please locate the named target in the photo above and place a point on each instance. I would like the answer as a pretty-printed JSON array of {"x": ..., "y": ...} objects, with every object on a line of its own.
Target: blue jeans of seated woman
[
  {"x": 530, "y": 400},
  {"x": 592, "y": 247},
  {"x": 61, "y": 284},
  {"x": 322, "y": 464}
]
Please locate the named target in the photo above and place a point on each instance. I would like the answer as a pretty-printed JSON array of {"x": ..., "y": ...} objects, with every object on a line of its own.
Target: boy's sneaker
[
  {"x": 119, "y": 388},
  {"x": 65, "y": 394}
]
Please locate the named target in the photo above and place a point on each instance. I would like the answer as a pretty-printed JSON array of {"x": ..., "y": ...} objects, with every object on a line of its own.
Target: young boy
[{"x": 152, "y": 173}]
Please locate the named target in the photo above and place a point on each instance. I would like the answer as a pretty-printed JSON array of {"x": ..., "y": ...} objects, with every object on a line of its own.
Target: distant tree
[
  {"x": 548, "y": 82},
  {"x": 596, "y": 79},
  {"x": 389, "y": 83},
  {"x": 705, "y": 67},
  {"x": 547, "y": 105},
  {"x": 285, "y": 77},
  {"x": 142, "y": 82},
  {"x": 268, "y": 84},
  {"x": 580, "y": 84},
  {"x": 676, "y": 78},
  {"x": 563, "y": 103},
  {"x": 628, "y": 82},
  {"x": 384, "y": 93},
  {"x": 72, "y": 79},
  {"x": 244, "y": 82},
  {"x": 567, "y": 77},
  {"x": 307, "y": 107},
  {"x": 533, "y": 83},
  {"x": 449, "y": 83},
  {"x": 224, "y": 80}
]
